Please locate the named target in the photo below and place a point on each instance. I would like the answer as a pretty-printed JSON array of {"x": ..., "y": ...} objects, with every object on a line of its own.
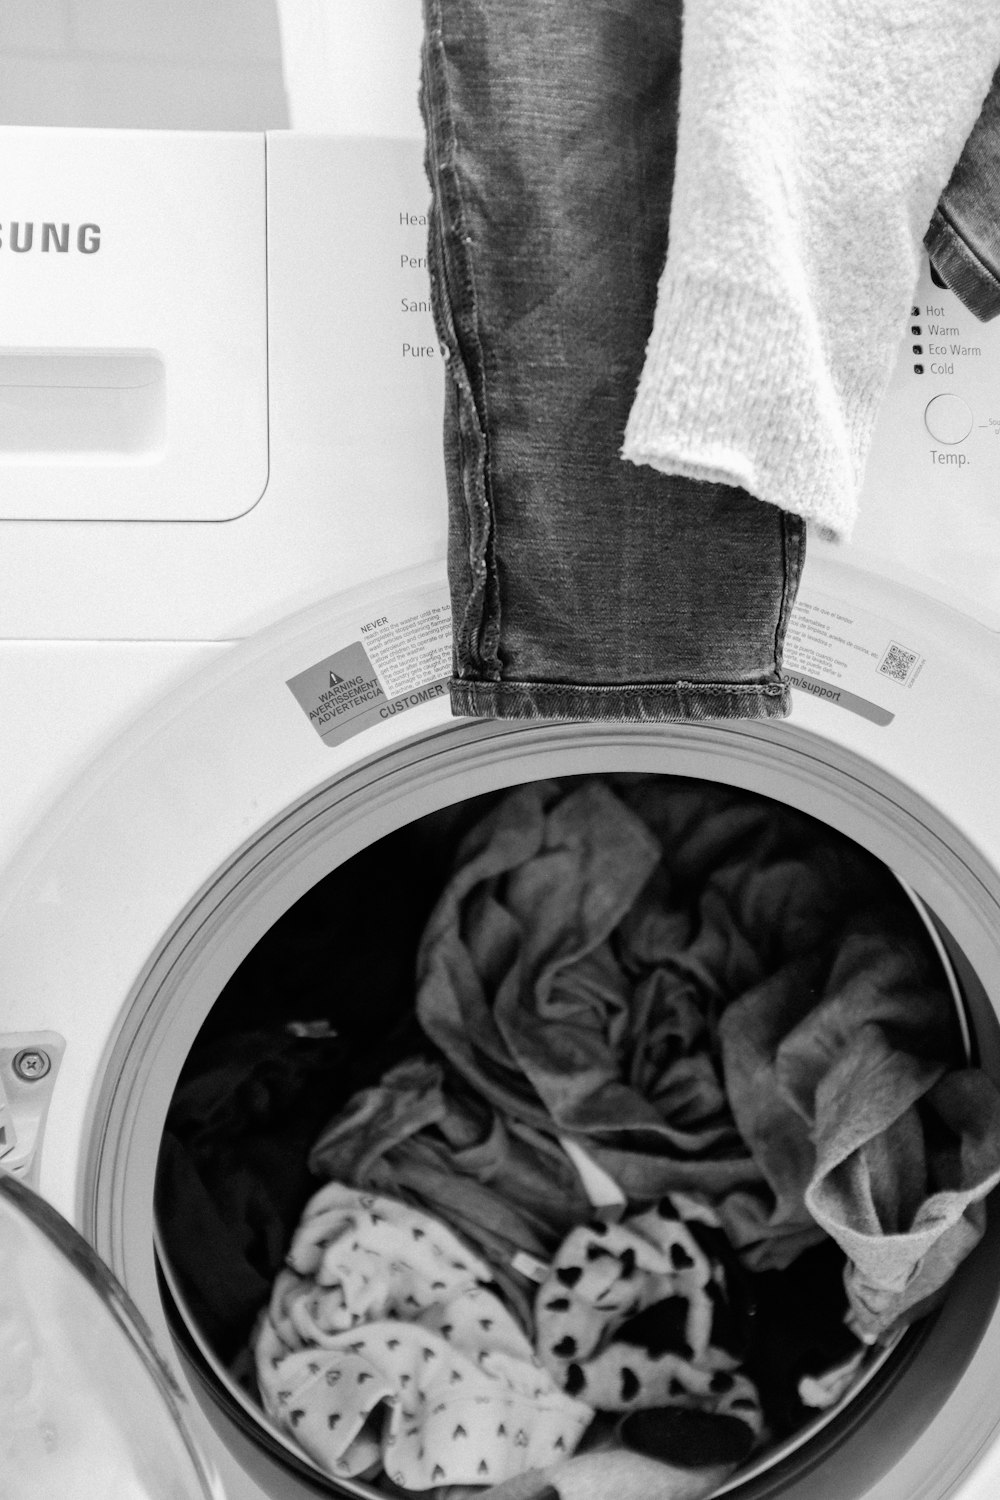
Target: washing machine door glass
[{"x": 87, "y": 1408}]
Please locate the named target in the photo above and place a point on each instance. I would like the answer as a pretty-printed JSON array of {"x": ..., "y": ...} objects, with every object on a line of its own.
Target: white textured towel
[{"x": 813, "y": 143}]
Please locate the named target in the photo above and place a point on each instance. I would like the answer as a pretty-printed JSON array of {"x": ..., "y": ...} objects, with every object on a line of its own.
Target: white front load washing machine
[{"x": 225, "y": 636}]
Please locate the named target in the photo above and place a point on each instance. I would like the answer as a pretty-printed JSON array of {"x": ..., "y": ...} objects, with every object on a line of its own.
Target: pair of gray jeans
[
  {"x": 963, "y": 239},
  {"x": 582, "y": 586}
]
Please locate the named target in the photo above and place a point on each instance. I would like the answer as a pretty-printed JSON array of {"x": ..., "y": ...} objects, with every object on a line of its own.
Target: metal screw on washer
[{"x": 31, "y": 1064}]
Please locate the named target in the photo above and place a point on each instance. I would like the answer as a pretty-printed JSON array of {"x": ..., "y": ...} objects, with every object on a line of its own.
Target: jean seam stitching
[
  {"x": 793, "y": 547},
  {"x": 455, "y": 256}
]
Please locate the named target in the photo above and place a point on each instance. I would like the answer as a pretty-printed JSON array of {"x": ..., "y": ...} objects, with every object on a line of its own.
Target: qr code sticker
[{"x": 897, "y": 662}]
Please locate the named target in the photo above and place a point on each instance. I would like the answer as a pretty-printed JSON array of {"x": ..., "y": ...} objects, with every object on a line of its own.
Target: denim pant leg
[
  {"x": 582, "y": 586},
  {"x": 963, "y": 239}
]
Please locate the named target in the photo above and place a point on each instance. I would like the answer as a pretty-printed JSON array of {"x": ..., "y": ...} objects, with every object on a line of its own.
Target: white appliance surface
[
  {"x": 96, "y": 614},
  {"x": 126, "y": 395},
  {"x": 929, "y": 511},
  {"x": 234, "y": 484}
]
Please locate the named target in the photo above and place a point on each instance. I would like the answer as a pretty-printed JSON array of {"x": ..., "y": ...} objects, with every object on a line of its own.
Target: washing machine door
[{"x": 87, "y": 1407}]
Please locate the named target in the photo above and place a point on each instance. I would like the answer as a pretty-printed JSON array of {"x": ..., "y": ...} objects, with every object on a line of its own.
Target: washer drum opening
[{"x": 913, "y": 1416}]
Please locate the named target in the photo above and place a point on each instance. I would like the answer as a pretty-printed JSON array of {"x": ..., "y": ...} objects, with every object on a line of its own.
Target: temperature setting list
[{"x": 940, "y": 347}]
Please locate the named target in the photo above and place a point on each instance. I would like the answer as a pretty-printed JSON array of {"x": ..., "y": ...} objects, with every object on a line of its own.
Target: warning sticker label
[
  {"x": 817, "y": 688},
  {"x": 846, "y": 656},
  {"x": 340, "y": 693},
  {"x": 401, "y": 661},
  {"x": 413, "y": 648}
]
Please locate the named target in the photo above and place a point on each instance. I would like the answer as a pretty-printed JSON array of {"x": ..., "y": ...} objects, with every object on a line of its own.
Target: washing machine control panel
[
  {"x": 930, "y": 504},
  {"x": 956, "y": 366}
]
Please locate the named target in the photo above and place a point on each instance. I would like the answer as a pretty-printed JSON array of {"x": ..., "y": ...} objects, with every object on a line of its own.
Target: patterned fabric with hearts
[
  {"x": 637, "y": 1314},
  {"x": 382, "y": 1348}
]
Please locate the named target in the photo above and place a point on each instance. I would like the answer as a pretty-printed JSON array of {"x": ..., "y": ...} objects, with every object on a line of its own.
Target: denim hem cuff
[
  {"x": 630, "y": 702},
  {"x": 974, "y": 283}
]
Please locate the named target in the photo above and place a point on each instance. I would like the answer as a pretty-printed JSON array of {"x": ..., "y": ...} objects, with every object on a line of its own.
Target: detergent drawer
[{"x": 133, "y": 309}]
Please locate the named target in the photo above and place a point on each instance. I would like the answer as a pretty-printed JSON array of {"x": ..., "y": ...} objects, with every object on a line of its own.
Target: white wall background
[
  {"x": 346, "y": 66},
  {"x": 352, "y": 67},
  {"x": 155, "y": 64}
]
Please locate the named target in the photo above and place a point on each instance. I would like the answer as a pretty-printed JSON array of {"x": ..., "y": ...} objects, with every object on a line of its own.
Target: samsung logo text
[{"x": 21, "y": 237}]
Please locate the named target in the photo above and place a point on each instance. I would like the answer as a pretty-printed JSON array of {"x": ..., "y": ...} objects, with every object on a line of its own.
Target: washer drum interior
[{"x": 401, "y": 806}]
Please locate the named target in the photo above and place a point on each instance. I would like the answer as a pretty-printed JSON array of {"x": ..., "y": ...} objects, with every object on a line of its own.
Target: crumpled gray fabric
[
  {"x": 680, "y": 977},
  {"x": 422, "y": 1136},
  {"x": 626, "y": 1068},
  {"x": 787, "y": 1035},
  {"x": 859, "y": 1123},
  {"x": 901, "y": 1189},
  {"x": 528, "y": 997}
]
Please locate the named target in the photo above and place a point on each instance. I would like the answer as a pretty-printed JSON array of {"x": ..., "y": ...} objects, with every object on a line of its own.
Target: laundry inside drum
[{"x": 628, "y": 1128}]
